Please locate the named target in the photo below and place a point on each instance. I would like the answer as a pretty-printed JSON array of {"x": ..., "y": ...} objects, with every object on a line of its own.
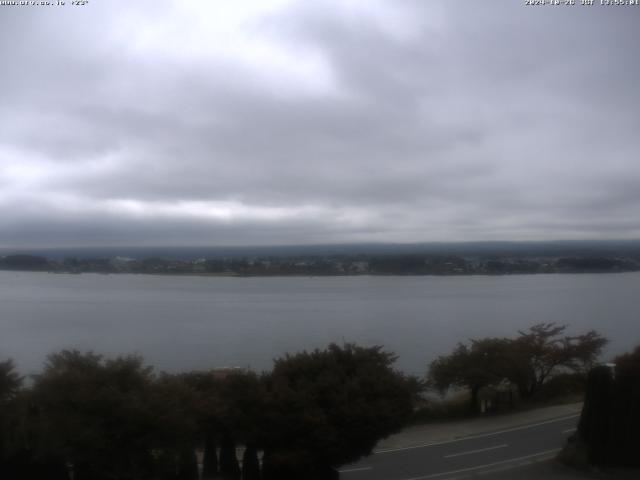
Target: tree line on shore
[
  {"x": 87, "y": 417},
  {"x": 607, "y": 433},
  {"x": 328, "y": 265},
  {"x": 525, "y": 363}
]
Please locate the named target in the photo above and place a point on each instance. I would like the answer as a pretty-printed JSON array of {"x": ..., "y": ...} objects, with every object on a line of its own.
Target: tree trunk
[
  {"x": 279, "y": 466},
  {"x": 187, "y": 465},
  {"x": 267, "y": 470},
  {"x": 250, "y": 464},
  {"x": 210, "y": 458},
  {"x": 474, "y": 406},
  {"x": 595, "y": 422},
  {"x": 229, "y": 468},
  {"x": 626, "y": 416}
]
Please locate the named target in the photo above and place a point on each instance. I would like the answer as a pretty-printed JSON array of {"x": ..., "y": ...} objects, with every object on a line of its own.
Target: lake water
[{"x": 180, "y": 323}]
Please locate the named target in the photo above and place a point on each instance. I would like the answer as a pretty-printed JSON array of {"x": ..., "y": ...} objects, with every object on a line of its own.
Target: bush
[{"x": 563, "y": 386}]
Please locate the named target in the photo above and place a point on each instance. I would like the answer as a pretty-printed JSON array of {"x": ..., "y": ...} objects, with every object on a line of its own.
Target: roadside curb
[{"x": 444, "y": 432}]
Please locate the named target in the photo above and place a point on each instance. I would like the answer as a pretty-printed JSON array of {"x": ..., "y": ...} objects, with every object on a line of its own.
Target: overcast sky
[{"x": 292, "y": 122}]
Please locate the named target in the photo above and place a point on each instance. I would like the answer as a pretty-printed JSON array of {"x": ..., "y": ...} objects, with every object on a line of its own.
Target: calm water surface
[{"x": 200, "y": 322}]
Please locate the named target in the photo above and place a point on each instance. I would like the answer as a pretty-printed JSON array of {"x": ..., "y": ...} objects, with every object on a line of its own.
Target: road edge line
[{"x": 480, "y": 435}]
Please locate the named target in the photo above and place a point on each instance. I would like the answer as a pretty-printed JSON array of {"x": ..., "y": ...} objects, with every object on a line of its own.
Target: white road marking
[
  {"x": 475, "y": 451},
  {"x": 569, "y": 430},
  {"x": 478, "y": 467},
  {"x": 359, "y": 469},
  {"x": 472, "y": 437}
]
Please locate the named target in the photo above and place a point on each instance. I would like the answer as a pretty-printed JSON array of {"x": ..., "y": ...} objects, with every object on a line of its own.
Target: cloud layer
[{"x": 280, "y": 122}]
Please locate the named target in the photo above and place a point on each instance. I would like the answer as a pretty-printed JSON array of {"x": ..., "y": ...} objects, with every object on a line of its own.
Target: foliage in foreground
[
  {"x": 105, "y": 418},
  {"x": 527, "y": 362},
  {"x": 332, "y": 406},
  {"x": 608, "y": 429}
]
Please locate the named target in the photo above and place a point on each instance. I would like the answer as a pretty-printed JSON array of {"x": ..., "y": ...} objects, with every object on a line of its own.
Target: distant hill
[
  {"x": 468, "y": 249},
  {"x": 336, "y": 260},
  {"x": 24, "y": 262}
]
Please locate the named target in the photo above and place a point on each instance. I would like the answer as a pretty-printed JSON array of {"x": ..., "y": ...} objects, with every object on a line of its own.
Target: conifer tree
[
  {"x": 250, "y": 463},
  {"x": 210, "y": 458},
  {"x": 229, "y": 467}
]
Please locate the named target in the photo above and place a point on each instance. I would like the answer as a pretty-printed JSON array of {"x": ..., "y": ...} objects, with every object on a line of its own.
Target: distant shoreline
[
  {"x": 335, "y": 265},
  {"x": 336, "y": 275}
]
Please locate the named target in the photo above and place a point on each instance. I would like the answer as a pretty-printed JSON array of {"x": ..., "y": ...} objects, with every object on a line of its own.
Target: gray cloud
[{"x": 291, "y": 122}]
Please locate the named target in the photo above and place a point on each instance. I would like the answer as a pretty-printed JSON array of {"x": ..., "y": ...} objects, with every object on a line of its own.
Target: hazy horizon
[{"x": 469, "y": 248}]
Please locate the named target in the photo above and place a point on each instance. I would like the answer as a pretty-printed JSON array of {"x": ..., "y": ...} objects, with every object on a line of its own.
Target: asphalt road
[{"x": 484, "y": 454}]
